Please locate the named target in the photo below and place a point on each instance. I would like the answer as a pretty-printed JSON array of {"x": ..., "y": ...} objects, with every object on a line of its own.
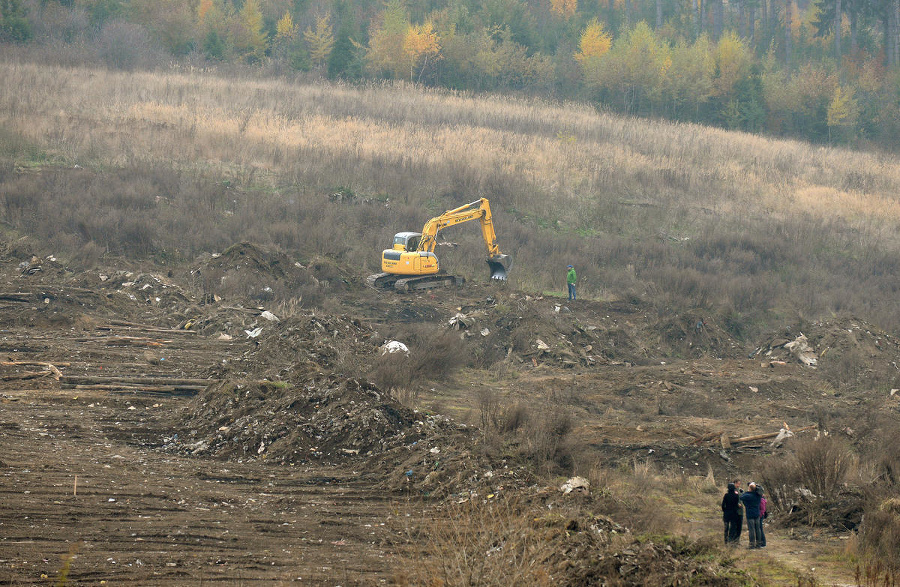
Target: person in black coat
[{"x": 731, "y": 515}]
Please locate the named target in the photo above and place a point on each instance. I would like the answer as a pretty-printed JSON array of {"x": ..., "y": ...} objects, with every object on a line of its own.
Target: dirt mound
[
  {"x": 325, "y": 419},
  {"x": 848, "y": 352},
  {"x": 247, "y": 271},
  {"x": 549, "y": 331},
  {"x": 293, "y": 349}
]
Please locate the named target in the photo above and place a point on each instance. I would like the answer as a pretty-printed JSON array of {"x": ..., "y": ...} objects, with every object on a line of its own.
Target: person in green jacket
[{"x": 571, "y": 278}]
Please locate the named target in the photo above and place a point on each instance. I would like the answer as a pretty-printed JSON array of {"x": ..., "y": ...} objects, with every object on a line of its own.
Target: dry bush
[
  {"x": 879, "y": 537},
  {"x": 484, "y": 543},
  {"x": 393, "y": 373},
  {"x": 126, "y": 46},
  {"x": 434, "y": 354},
  {"x": 810, "y": 485},
  {"x": 824, "y": 465},
  {"x": 820, "y": 466},
  {"x": 879, "y": 534},
  {"x": 438, "y": 353},
  {"x": 536, "y": 431}
]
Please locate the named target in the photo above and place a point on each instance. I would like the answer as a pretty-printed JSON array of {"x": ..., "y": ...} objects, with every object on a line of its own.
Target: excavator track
[
  {"x": 382, "y": 280},
  {"x": 427, "y": 282},
  {"x": 407, "y": 284}
]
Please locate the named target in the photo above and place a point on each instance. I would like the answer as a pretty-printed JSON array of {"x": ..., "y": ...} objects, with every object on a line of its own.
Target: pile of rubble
[{"x": 326, "y": 418}]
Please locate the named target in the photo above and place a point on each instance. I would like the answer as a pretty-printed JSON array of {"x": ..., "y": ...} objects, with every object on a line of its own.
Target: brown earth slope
[{"x": 156, "y": 429}]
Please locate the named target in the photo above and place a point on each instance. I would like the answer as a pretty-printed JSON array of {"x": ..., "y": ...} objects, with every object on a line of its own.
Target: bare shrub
[
  {"x": 547, "y": 439},
  {"x": 438, "y": 355},
  {"x": 818, "y": 468},
  {"x": 879, "y": 537},
  {"x": 393, "y": 372},
  {"x": 484, "y": 543},
  {"x": 86, "y": 256},
  {"x": 435, "y": 352},
  {"x": 539, "y": 432},
  {"x": 126, "y": 46},
  {"x": 824, "y": 464},
  {"x": 780, "y": 477}
]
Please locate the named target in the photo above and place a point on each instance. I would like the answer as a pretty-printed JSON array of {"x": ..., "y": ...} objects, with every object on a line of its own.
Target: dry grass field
[{"x": 696, "y": 216}]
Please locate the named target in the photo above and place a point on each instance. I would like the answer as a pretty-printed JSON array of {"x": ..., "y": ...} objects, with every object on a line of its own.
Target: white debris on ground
[
  {"x": 576, "y": 485},
  {"x": 394, "y": 346}
]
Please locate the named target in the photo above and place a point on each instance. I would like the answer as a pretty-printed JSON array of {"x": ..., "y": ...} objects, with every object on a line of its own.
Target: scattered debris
[{"x": 576, "y": 484}]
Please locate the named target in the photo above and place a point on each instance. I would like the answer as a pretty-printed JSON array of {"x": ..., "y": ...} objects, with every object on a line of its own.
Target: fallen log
[
  {"x": 768, "y": 435},
  {"x": 708, "y": 437},
  {"x": 50, "y": 367},
  {"x": 135, "y": 381},
  {"x": 160, "y": 389},
  {"x": 26, "y": 375},
  {"x": 144, "y": 327},
  {"x": 32, "y": 363},
  {"x": 139, "y": 341}
]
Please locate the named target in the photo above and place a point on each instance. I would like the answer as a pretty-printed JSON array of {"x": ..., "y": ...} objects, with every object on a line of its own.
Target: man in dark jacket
[
  {"x": 731, "y": 515},
  {"x": 751, "y": 500}
]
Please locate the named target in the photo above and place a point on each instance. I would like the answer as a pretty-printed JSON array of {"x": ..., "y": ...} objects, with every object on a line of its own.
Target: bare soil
[{"x": 170, "y": 445}]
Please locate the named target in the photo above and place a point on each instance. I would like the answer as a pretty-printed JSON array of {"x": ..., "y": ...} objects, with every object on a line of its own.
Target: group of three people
[{"x": 754, "y": 505}]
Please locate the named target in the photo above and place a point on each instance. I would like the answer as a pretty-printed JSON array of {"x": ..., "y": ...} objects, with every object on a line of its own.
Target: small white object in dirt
[
  {"x": 782, "y": 434},
  {"x": 894, "y": 392},
  {"x": 576, "y": 484},
  {"x": 484, "y": 331},
  {"x": 754, "y": 389},
  {"x": 542, "y": 345},
  {"x": 460, "y": 321},
  {"x": 224, "y": 336},
  {"x": 254, "y": 333},
  {"x": 270, "y": 316},
  {"x": 799, "y": 347},
  {"x": 103, "y": 277},
  {"x": 394, "y": 346},
  {"x": 262, "y": 447},
  {"x": 435, "y": 451},
  {"x": 46, "y": 300}
]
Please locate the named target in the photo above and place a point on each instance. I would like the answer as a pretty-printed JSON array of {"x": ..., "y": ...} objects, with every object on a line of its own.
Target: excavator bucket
[{"x": 499, "y": 265}]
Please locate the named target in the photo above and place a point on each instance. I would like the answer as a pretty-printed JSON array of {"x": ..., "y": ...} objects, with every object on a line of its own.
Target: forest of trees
[{"x": 820, "y": 70}]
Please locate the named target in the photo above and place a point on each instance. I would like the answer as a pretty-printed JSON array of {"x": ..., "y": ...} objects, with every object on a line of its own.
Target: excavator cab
[{"x": 406, "y": 241}]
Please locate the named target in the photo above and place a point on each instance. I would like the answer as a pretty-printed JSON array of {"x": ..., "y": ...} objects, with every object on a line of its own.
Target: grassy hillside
[{"x": 165, "y": 166}]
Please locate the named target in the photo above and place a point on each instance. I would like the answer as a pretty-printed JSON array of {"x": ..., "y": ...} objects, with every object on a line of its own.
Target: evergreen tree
[{"x": 14, "y": 25}]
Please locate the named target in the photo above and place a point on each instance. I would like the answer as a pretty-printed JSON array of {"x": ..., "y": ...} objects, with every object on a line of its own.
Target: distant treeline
[{"x": 825, "y": 71}]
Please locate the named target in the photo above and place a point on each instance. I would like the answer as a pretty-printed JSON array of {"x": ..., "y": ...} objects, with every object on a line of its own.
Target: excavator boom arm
[{"x": 480, "y": 209}]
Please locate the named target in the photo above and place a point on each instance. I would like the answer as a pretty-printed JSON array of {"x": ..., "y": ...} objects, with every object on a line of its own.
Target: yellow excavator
[{"x": 411, "y": 263}]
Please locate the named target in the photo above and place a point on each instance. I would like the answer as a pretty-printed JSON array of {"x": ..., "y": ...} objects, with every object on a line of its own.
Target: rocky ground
[{"x": 172, "y": 427}]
